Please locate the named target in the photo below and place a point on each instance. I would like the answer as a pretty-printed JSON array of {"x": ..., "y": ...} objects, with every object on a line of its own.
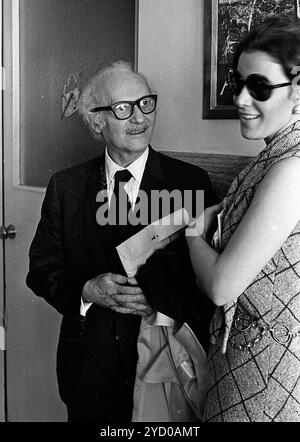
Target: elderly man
[{"x": 73, "y": 260}]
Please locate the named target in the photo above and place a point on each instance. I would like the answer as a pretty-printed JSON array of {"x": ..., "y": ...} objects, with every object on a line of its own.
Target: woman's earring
[{"x": 296, "y": 109}]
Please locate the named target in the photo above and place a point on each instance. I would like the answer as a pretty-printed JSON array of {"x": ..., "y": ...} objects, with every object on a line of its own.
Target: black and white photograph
[{"x": 150, "y": 217}]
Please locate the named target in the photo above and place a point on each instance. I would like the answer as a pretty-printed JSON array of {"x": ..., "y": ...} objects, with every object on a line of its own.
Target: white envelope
[{"x": 135, "y": 251}]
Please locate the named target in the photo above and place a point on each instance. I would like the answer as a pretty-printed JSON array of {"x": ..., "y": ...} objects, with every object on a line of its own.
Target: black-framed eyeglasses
[
  {"x": 258, "y": 86},
  {"x": 124, "y": 109}
]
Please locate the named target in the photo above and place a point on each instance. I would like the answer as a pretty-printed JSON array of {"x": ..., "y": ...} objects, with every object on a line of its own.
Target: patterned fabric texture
[{"x": 260, "y": 383}]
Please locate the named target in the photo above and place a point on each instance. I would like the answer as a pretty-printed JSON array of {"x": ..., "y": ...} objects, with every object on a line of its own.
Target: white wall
[{"x": 170, "y": 52}]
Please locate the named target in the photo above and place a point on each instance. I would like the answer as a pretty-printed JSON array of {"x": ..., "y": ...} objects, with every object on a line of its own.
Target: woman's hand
[{"x": 204, "y": 224}]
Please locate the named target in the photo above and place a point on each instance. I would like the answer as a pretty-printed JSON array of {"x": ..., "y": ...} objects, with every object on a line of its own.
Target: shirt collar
[{"x": 136, "y": 168}]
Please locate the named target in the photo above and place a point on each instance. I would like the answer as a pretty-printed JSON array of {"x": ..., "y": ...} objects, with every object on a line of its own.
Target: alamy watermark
[
  {"x": 150, "y": 207},
  {"x": 296, "y": 80}
]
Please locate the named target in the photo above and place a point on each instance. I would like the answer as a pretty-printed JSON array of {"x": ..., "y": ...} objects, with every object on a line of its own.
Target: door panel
[
  {"x": 31, "y": 326},
  {"x": 36, "y": 143},
  {"x": 58, "y": 38}
]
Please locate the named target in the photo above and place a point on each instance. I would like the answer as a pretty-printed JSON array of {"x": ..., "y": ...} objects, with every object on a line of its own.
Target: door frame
[
  {"x": 11, "y": 181},
  {"x": 2, "y": 280}
]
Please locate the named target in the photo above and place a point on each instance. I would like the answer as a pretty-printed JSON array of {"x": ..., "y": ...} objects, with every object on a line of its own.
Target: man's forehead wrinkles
[{"x": 124, "y": 88}]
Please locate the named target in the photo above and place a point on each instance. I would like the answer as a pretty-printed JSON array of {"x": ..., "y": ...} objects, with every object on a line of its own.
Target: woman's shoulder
[
  {"x": 286, "y": 167},
  {"x": 281, "y": 181}
]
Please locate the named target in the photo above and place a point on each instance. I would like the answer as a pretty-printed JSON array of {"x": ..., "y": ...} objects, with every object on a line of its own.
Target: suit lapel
[
  {"x": 95, "y": 183},
  {"x": 100, "y": 237},
  {"x": 153, "y": 174},
  {"x": 153, "y": 179}
]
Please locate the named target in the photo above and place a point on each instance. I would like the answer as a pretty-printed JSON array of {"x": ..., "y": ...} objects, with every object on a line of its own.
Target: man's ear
[{"x": 95, "y": 122}]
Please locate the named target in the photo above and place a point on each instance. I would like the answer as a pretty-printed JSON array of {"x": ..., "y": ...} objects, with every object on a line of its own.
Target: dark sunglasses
[
  {"x": 258, "y": 86},
  {"x": 124, "y": 109}
]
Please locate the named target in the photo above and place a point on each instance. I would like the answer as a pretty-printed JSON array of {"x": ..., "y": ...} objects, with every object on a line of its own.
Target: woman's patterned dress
[{"x": 254, "y": 358}]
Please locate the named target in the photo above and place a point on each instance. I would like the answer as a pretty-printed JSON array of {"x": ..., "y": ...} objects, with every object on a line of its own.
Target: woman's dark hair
[{"x": 279, "y": 37}]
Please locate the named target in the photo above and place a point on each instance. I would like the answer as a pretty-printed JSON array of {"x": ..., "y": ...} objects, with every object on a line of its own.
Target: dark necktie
[{"x": 122, "y": 205}]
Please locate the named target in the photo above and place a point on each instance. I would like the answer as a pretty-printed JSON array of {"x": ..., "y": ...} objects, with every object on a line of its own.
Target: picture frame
[{"x": 226, "y": 22}]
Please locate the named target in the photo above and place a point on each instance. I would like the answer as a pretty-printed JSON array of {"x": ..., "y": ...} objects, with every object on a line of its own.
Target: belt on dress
[{"x": 279, "y": 331}]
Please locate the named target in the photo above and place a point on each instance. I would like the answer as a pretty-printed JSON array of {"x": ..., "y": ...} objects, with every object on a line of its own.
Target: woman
[{"x": 254, "y": 274}]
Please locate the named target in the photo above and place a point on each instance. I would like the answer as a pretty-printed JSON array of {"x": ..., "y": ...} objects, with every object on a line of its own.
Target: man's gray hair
[{"x": 93, "y": 94}]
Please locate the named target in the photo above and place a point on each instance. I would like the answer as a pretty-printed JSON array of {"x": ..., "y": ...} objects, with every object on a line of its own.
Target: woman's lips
[{"x": 246, "y": 116}]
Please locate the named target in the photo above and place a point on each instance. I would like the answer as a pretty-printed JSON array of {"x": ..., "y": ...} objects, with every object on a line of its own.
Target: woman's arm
[{"x": 272, "y": 215}]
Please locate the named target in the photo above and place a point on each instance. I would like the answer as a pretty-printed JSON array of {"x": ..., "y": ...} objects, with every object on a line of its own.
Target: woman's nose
[{"x": 244, "y": 98}]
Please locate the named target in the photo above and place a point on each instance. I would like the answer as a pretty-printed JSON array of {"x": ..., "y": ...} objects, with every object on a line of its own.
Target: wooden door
[{"x": 44, "y": 42}]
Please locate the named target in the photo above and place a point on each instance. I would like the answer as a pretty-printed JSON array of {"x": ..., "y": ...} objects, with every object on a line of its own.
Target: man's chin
[{"x": 138, "y": 145}]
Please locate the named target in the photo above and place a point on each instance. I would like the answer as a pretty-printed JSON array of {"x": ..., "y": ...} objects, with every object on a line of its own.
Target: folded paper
[{"x": 135, "y": 251}]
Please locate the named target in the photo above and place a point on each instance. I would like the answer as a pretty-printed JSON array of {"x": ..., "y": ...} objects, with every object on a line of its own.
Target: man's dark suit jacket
[{"x": 97, "y": 356}]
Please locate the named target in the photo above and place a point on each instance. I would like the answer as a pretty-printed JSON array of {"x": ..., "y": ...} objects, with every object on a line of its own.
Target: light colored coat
[{"x": 171, "y": 372}]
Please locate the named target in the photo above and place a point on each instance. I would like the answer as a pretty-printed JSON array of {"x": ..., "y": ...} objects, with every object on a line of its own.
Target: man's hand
[
  {"x": 135, "y": 302},
  {"x": 109, "y": 290}
]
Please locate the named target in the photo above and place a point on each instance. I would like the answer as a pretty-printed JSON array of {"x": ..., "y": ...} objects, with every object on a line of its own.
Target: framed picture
[{"x": 226, "y": 22}]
